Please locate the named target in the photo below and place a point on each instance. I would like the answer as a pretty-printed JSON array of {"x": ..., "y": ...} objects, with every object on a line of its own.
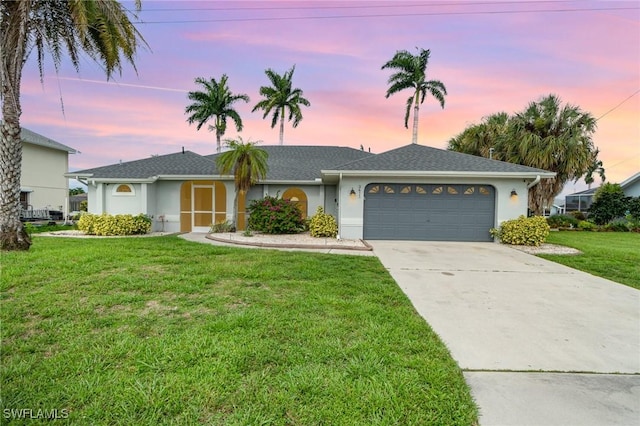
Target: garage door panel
[{"x": 435, "y": 212}]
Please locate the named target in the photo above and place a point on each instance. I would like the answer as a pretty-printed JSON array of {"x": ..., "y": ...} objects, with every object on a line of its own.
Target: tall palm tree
[
  {"x": 280, "y": 97},
  {"x": 100, "y": 28},
  {"x": 216, "y": 101},
  {"x": 247, "y": 162},
  {"x": 412, "y": 74}
]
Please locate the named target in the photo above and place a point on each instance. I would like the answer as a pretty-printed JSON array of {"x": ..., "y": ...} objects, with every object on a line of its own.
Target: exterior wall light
[
  {"x": 352, "y": 192},
  {"x": 513, "y": 193}
]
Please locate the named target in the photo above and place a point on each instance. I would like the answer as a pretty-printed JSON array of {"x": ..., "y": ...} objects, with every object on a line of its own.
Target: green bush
[
  {"x": 609, "y": 202},
  {"x": 523, "y": 231},
  {"x": 84, "y": 206},
  {"x": 562, "y": 221},
  {"x": 273, "y": 215},
  {"x": 617, "y": 225},
  {"x": 323, "y": 225},
  {"x": 578, "y": 215},
  {"x": 110, "y": 225},
  {"x": 633, "y": 207},
  {"x": 587, "y": 226}
]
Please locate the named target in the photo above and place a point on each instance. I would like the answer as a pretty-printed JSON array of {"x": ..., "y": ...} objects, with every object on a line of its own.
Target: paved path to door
[{"x": 539, "y": 343}]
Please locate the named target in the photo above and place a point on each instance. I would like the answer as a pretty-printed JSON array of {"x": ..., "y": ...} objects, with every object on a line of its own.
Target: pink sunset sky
[{"x": 492, "y": 56}]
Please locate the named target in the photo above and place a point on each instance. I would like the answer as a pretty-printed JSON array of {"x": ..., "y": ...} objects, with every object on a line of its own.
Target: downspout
[
  {"x": 339, "y": 207},
  {"x": 534, "y": 183},
  {"x": 529, "y": 186}
]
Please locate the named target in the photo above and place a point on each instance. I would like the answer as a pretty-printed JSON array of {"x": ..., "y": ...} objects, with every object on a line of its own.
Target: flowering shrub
[
  {"x": 323, "y": 224},
  {"x": 120, "y": 224},
  {"x": 273, "y": 215},
  {"x": 523, "y": 231}
]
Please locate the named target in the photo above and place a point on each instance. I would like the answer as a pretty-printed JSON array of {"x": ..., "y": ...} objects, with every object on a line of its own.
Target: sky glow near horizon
[{"x": 492, "y": 57}]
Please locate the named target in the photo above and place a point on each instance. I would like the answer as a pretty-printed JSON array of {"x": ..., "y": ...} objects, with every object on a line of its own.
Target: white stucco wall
[
  {"x": 165, "y": 201},
  {"x": 42, "y": 174},
  {"x": 351, "y": 211}
]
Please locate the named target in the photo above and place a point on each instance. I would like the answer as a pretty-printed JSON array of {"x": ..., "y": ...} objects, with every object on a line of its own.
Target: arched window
[
  {"x": 298, "y": 197},
  {"x": 124, "y": 189}
]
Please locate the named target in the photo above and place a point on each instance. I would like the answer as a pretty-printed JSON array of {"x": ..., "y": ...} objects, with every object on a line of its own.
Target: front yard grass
[
  {"x": 611, "y": 255},
  {"x": 159, "y": 330}
]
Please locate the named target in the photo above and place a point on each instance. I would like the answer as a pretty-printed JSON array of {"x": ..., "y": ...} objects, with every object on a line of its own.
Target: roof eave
[{"x": 416, "y": 173}]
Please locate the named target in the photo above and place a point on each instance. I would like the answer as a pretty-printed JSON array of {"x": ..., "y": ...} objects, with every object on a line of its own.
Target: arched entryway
[
  {"x": 202, "y": 203},
  {"x": 298, "y": 197}
]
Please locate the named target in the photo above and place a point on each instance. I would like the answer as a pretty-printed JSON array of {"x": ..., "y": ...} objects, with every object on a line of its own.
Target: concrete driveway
[{"x": 539, "y": 343}]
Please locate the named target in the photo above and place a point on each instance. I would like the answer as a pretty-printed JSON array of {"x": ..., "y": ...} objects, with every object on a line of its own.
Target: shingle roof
[
  {"x": 294, "y": 163},
  {"x": 416, "y": 157},
  {"x": 179, "y": 164},
  {"x": 37, "y": 139}
]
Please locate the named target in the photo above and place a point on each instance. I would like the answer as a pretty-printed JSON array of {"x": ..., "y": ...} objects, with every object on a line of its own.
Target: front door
[{"x": 202, "y": 207}]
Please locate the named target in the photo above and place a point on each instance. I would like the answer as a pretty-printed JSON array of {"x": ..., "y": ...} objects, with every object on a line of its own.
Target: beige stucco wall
[
  {"x": 43, "y": 172},
  {"x": 351, "y": 210}
]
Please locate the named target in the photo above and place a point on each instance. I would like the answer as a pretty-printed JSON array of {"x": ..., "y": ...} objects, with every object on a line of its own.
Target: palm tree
[
  {"x": 216, "y": 101},
  {"x": 482, "y": 139},
  {"x": 546, "y": 135},
  {"x": 595, "y": 167},
  {"x": 99, "y": 28},
  {"x": 412, "y": 74},
  {"x": 248, "y": 164},
  {"x": 279, "y": 97}
]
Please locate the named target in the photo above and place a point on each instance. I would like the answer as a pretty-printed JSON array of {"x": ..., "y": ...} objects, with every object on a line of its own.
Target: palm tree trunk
[
  {"x": 416, "y": 110},
  {"x": 12, "y": 52},
  {"x": 235, "y": 211},
  {"x": 282, "y": 127}
]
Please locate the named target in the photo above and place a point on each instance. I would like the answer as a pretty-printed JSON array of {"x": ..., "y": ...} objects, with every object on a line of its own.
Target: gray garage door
[{"x": 428, "y": 212}]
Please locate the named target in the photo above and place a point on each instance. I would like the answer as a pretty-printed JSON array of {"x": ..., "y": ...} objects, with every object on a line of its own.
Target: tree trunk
[
  {"x": 235, "y": 210},
  {"x": 13, "y": 42},
  {"x": 416, "y": 110},
  {"x": 282, "y": 127},
  {"x": 218, "y": 147}
]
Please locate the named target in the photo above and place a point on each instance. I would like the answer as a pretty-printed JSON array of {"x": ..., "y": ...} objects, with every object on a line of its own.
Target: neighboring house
[
  {"x": 581, "y": 201},
  {"x": 631, "y": 186},
  {"x": 43, "y": 184},
  {"x": 413, "y": 192}
]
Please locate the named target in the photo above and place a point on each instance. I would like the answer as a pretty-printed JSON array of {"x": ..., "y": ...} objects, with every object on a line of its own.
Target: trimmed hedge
[
  {"x": 114, "y": 225},
  {"x": 523, "y": 231}
]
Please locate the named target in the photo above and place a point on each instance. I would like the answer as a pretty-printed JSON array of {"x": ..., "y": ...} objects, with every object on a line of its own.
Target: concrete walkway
[{"x": 539, "y": 343}]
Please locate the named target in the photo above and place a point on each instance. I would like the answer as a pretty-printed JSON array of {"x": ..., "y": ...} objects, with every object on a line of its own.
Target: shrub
[
  {"x": 587, "y": 226},
  {"x": 523, "y": 231},
  {"x": 609, "y": 202},
  {"x": 617, "y": 225},
  {"x": 222, "y": 226},
  {"x": 323, "y": 224},
  {"x": 110, "y": 225},
  {"x": 84, "y": 206},
  {"x": 578, "y": 215},
  {"x": 634, "y": 208},
  {"x": 562, "y": 221},
  {"x": 273, "y": 215}
]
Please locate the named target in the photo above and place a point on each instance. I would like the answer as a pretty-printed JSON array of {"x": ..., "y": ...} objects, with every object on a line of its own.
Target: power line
[
  {"x": 617, "y": 106},
  {"x": 369, "y": 6},
  {"x": 389, "y": 15}
]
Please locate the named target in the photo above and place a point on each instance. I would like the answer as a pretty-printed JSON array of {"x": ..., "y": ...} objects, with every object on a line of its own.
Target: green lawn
[
  {"x": 164, "y": 331},
  {"x": 612, "y": 255}
]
